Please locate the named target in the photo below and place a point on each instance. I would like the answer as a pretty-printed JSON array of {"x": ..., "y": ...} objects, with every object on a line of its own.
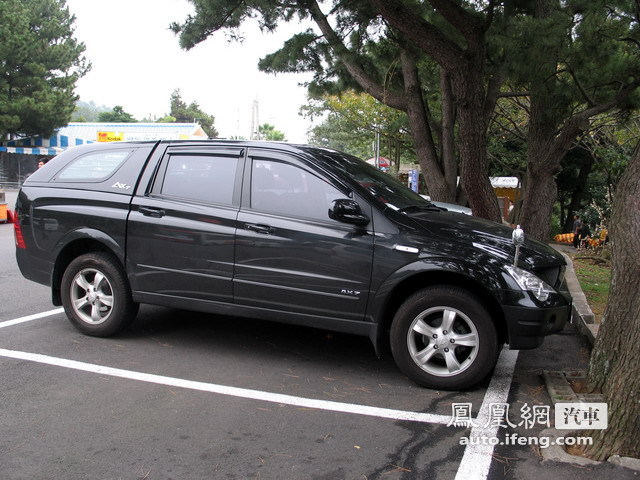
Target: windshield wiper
[{"x": 429, "y": 207}]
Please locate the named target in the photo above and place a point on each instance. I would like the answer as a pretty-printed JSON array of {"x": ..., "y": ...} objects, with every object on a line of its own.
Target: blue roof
[{"x": 81, "y": 133}]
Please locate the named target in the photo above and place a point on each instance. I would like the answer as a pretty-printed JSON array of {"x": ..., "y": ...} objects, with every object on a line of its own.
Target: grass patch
[{"x": 594, "y": 274}]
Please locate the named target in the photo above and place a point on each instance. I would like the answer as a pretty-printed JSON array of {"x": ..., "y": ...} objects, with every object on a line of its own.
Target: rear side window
[
  {"x": 203, "y": 178},
  {"x": 93, "y": 167}
]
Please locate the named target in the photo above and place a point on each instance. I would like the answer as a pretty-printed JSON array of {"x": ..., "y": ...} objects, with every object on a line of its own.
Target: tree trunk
[
  {"x": 543, "y": 162},
  {"x": 615, "y": 366},
  {"x": 466, "y": 68},
  {"x": 474, "y": 164},
  {"x": 539, "y": 196},
  {"x": 541, "y": 191},
  {"x": 578, "y": 193},
  {"x": 449, "y": 158},
  {"x": 422, "y": 133}
]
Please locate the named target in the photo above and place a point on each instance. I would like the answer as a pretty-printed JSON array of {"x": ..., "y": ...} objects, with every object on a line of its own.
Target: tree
[
  {"x": 351, "y": 122},
  {"x": 357, "y": 49},
  {"x": 556, "y": 63},
  {"x": 614, "y": 364},
  {"x": 585, "y": 58},
  {"x": 269, "y": 132},
  {"x": 456, "y": 39},
  {"x": 117, "y": 115},
  {"x": 191, "y": 113},
  {"x": 40, "y": 64},
  {"x": 87, "y": 112}
]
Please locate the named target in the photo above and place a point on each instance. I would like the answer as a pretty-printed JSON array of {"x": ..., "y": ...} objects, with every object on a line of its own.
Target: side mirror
[{"x": 348, "y": 211}]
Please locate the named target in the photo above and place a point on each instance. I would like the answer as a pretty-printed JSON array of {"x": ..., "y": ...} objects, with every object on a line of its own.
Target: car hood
[{"x": 472, "y": 237}]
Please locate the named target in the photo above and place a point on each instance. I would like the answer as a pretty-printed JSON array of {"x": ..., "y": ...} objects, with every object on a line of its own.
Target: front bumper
[
  {"x": 529, "y": 325},
  {"x": 529, "y": 321}
]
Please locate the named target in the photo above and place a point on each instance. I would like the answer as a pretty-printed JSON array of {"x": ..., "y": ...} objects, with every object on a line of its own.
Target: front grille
[{"x": 552, "y": 275}]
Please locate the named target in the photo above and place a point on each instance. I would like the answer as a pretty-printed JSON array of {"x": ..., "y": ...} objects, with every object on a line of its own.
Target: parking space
[{"x": 247, "y": 401}]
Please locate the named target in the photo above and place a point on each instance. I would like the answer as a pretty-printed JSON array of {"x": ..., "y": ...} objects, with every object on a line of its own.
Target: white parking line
[
  {"x": 28, "y": 318},
  {"x": 231, "y": 391},
  {"x": 477, "y": 457}
]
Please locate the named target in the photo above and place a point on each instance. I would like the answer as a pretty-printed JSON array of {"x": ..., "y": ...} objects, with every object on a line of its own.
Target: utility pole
[
  {"x": 255, "y": 121},
  {"x": 376, "y": 148}
]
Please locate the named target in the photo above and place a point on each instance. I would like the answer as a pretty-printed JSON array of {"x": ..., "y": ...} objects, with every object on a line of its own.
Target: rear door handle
[
  {"x": 151, "y": 212},
  {"x": 260, "y": 228}
]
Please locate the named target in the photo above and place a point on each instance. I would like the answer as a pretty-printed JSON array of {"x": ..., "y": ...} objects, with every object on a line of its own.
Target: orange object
[{"x": 564, "y": 237}]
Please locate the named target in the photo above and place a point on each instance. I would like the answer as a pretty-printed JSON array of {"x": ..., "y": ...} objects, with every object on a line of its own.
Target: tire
[
  {"x": 444, "y": 338},
  {"x": 96, "y": 295}
]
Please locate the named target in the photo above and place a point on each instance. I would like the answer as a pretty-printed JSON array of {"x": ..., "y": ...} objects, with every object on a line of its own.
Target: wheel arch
[
  {"x": 80, "y": 243},
  {"x": 410, "y": 285}
]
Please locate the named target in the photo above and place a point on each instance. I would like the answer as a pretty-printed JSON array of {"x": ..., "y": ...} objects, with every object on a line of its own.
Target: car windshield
[{"x": 381, "y": 186}]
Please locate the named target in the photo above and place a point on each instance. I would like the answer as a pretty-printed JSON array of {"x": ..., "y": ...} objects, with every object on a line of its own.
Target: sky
[{"x": 137, "y": 63}]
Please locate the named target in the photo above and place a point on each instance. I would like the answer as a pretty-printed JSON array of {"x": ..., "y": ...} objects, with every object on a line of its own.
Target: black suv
[{"x": 293, "y": 234}]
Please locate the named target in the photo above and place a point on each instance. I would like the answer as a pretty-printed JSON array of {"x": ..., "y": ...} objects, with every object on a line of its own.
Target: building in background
[{"x": 19, "y": 158}]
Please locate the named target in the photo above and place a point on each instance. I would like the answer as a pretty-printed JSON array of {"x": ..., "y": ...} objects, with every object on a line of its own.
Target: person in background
[{"x": 577, "y": 227}]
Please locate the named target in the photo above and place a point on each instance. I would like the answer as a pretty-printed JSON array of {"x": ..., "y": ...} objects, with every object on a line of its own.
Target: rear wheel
[
  {"x": 444, "y": 338},
  {"x": 96, "y": 295}
]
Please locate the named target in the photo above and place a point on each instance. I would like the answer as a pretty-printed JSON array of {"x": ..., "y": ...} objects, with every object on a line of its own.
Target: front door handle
[
  {"x": 151, "y": 212},
  {"x": 260, "y": 228}
]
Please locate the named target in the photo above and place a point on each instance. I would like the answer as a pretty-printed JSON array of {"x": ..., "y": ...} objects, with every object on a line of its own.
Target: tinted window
[
  {"x": 202, "y": 178},
  {"x": 381, "y": 186},
  {"x": 93, "y": 167},
  {"x": 281, "y": 188}
]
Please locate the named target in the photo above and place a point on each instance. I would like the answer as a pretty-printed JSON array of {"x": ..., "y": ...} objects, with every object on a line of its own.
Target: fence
[{"x": 16, "y": 167}]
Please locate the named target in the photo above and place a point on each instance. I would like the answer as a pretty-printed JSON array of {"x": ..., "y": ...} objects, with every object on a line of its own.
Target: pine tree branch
[
  {"x": 350, "y": 61},
  {"x": 469, "y": 25},
  {"x": 422, "y": 33},
  {"x": 580, "y": 123},
  {"x": 583, "y": 92}
]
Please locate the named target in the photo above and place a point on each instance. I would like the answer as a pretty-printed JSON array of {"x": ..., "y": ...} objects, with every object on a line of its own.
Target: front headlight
[{"x": 529, "y": 282}]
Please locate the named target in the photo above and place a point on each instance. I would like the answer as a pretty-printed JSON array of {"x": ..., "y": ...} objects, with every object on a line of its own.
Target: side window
[
  {"x": 204, "y": 178},
  {"x": 93, "y": 167},
  {"x": 285, "y": 189}
]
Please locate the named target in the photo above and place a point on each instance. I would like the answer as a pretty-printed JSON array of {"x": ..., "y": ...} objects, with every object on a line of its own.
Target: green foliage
[
  {"x": 87, "y": 112},
  {"x": 269, "y": 132},
  {"x": 610, "y": 148},
  {"x": 350, "y": 122},
  {"x": 355, "y": 21},
  {"x": 166, "y": 119},
  {"x": 117, "y": 115},
  {"x": 576, "y": 54},
  {"x": 184, "y": 113},
  {"x": 211, "y": 15},
  {"x": 40, "y": 63}
]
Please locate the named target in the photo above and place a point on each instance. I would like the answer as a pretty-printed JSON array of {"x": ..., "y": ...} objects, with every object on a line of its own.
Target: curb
[
  {"x": 560, "y": 390},
  {"x": 581, "y": 312}
]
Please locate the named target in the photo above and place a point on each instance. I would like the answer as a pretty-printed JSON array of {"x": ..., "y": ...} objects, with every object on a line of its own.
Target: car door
[
  {"x": 290, "y": 256},
  {"x": 181, "y": 231}
]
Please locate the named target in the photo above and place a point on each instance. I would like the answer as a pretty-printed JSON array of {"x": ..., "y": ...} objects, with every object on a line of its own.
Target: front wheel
[
  {"x": 444, "y": 338},
  {"x": 96, "y": 295}
]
